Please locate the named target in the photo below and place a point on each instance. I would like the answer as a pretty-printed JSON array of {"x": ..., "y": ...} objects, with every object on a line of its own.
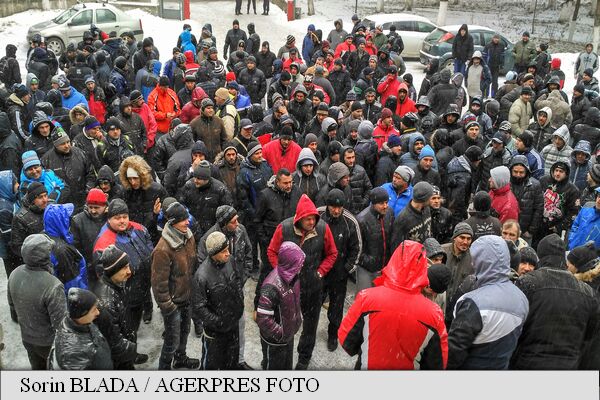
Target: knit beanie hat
[
  {"x": 135, "y": 95},
  {"x": 406, "y": 173},
  {"x": 216, "y": 242},
  {"x": 426, "y": 151},
  {"x": 473, "y": 153},
  {"x": 225, "y": 214},
  {"x": 113, "y": 260},
  {"x": 117, "y": 207},
  {"x": 34, "y": 190},
  {"x": 462, "y": 228},
  {"x": 222, "y": 94},
  {"x": 529, "y": 256},
  {"x": 90, "y": 122},
  {"x": 176, "y": 212},
  {"x": 202, "y": 170},
  {"x": 96, "y": 197},
  {"x": 30, "y": 159},
  {"x": 595, "y": 173},
  {"x": 589, "y": 72},
  {"x": 59, "y": 137},
  {"x": 365, "y": 129},
  {"x": 356, "y": 106},
  {"x": 80, "y": 302},
  {"x": 584, "y": 257},
  {"x": 482, "y": 201},
  {"x": 337, "y": 171},
  {"x": 310, "y": 138},
  {"x": 579, "y": 88},
  {"x": 500, "y": 176},
  {"x": 335, "y": 198},
  {"x": 378, "y": 195},
  {"x": 527, "y": 138},
  {"x": 439, "y": 276},
  {"x": 422, "y": 192},
  {"x": 21, "y": 90},
  {"x": 334, "y": 148},
  {"x": 386, "y": 113},
  {"x": 394, "y": 141}
]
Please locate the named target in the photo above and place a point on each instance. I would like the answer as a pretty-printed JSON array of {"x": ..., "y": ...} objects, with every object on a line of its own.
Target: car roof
[
  {"x": 93, "y": 6},
  {"x": 455, "y": 28},
  {"x": 382, "y": 18}
]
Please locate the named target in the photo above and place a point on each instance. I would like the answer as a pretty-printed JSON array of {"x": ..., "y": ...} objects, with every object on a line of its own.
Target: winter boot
[
  {"x": 140, "y": 358},
  {"x": 332, "y": 343},
  {"x": 182, "y": 361}
]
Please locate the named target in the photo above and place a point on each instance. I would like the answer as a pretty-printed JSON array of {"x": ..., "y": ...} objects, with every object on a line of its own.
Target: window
[
  {"x": 487, "y": 37},
  {"x": 83, "y": 18},
  {"x": 400, "y": 25},
  {"x": 104, "y": 16},
  {"x": 476, "y": 39},
  {"x": 424, "y": 27}
]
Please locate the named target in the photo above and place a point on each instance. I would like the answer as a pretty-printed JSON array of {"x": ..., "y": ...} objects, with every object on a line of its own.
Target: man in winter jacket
[
  {"x": 96, "y": 99},
  {"x": 29, "y": 219},
  {"x": 528, "y": 192},
  {"x": 40, "y": 140},
  {"x": 462, "y": 49},
  {"x": 210, "y": 129},
  {"x": 494, "y": 155},
  {"x": 16, "y": 108},
  {"x": 192, "y": 109},
  {"x": 561, "y": 111},
  {"x": 282, "y": 152},
  {"x": 521, "y": 111},
  {"x": 542, "y": 128},
  {"x": 10, "y": 74},
  {"x": 586, "y": 226},
  {"x": 10, "y": 146},
  {"x": 218, "y": 302},
  {"x": 72, "y": 166},
  {"x": 133, "y": 239},
  {"x": 586, "y": 59},
  {"x": 348, "y": 242},
  {"x": 524, "y": 147},
  {"x": 164, "y": 104},
  {"x": 581, "y": 164},
  {"x": 316, "y": 240},
  {"x": 462, "y": 178},
  {"x": 38, "y": 298},
  {"x": 419, "y": 340},
  {"x": 477, "y": 76},
  {"x": 459, "y": 262},
  {"x": 307, "y": 176},
  {"x": 443, "y": 94},
  {"x": 173, "y": 262},
  {"x": 560, "y": 200},
  {"x": 405, "y": 103},
  {"x": 138, "y": 122},
  {"x": 179, "y": 138},
  {"x": 493, "y": 54},
  {"x": 580, "y": 104},
  {"x": 389, "y": 160},
  {"x": 115, "y": 147},
  {"x": 474, "y": 341},
  {"x": 504, "y": 202},
  {"x": 359, "y": 181},
  {"x": 112, "y": 321},
  {"x": 414, "y": 222},
  {"x": 79, "y": 344},
  {"x": 558, "y": 150},
  {"x": 70, "y": 96},
  {"x": 227, "y": 112},
  {"x": 232, "y": 38},
  {"x": 254, "y": 80},
  {"x": 376, "y": 231},
  {"x": 553, "y": 293},
  {"x": 278, "y": 315},
  {"x": 524, "y": 52}
]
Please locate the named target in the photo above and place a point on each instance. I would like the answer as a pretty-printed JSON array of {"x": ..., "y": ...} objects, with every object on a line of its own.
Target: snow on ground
[{"x": 273, "y": 28}]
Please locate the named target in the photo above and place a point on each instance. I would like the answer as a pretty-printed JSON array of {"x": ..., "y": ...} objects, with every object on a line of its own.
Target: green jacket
[
  {"x": 524, "y": 53},
  {"x": 379, "y": 40}
]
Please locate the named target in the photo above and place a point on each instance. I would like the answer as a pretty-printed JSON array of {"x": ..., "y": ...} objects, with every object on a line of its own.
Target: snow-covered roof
[{"x": 455, "y": 28}]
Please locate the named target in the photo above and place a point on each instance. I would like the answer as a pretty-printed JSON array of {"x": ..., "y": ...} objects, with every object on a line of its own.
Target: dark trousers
[
  {"x": 177, "y": 329},
  {"x": 253, "y": 236},
  {"x": 253, "y": 6},
  {"x": 266, "y": 4},
  {"x": 336, "y": 290},
  {"x": 277, "y": 357},
  {"x": 265, "y": 269},
  {"x": 38, "y": 355},
  {"x": 238, "y": 7},
  {"x": 133, "y": 318},
  {"x": 460, "y": 66},
  {"x": 310, "y": 304},
  {"x": 495, "y": 73},
  {"x": 220, "y": 351}
]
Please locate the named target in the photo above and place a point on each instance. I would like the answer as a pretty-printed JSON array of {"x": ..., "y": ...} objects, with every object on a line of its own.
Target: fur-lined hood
[
  {"x": 142, "y": 168},
  {"x": 220, "y": 160},
  {"x": 75, "y": 109},
  {"x": 589, "y": 275}
]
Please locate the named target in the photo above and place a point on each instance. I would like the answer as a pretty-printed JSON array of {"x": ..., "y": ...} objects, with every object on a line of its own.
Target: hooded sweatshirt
[
  {"x": 552, "y": 154},
  {"x": 488, "y": 320},
  {"x": 504, "y": 202}
]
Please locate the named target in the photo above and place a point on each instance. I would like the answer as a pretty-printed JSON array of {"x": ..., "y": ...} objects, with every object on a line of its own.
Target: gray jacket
[{"x": 37, "y": 295}]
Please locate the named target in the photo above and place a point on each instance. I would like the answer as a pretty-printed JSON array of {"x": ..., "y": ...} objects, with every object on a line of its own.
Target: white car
[
  {"x": 412, "y": 28},
  {"x": 70, "y": 24}
]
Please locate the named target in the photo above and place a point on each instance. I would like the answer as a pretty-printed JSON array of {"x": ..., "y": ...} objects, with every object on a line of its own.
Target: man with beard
[
  {"x": 30, "y": 218},
  {"x": 441, "y": 218},
  {"x": 228, "y": 162},
  {"x": 414, "y": 222},
  {"x": 210, "y": 129},
  {"x": 399, "y": 190},
  {"x": 560, "y": 200},
  {"x": 529, "y": 194},
  {"x": 459, "y": 262},
  {"x": 495, "y": 155},
  {"x": 85, "y": 227},
  {"x": 348, "y": 242}
]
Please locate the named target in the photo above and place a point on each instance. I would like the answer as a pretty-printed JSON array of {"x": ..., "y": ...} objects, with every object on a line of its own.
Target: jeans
[
  {"x": 38, "y": 356},
  {"x": 277, "y": 357},
  {"x": 310, "y": 304},
  {"x": 460, "y": 66},
  {"x": 177, "y": 329},
  {"x": 221, "y": 351}
]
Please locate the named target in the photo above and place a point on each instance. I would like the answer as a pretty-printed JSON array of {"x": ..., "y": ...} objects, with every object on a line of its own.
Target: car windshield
[
  {"x": 62, "y": 18},
  {"x": 436, "y": 35}
]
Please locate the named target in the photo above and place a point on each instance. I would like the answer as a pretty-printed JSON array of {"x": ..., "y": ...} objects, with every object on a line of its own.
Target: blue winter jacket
[
  {"x": 54, "y": 185},
  {"x": 488, "y": 320},
  {"x": 57, "y": 220},
  {"x": 186, "y": 42},
  {"x": 74, "y": 98},
  {"x": 395, "y": 202},
  {"x": 586, "y": 227},
  {"x": 8, "y": 207},
  {"x": 308, "y": 45},
  {"x": 168, "y": 70}
]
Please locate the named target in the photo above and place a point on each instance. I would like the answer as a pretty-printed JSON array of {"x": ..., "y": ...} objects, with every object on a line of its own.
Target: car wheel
[{"x": 55, "y": 45}]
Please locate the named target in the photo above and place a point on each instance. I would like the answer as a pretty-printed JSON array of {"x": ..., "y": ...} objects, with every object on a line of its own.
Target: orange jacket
[{"x": 162, "y": 101}]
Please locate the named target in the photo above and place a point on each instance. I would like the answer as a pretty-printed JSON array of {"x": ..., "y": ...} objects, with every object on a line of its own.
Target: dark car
[{"x": 438, "y": 44}]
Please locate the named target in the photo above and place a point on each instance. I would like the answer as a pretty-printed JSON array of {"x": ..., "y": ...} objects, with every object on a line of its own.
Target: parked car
[
  {"x": 70, "y": 24},
  {"x": 412, "y": 28},
  {"x": 438, "y": 44}
]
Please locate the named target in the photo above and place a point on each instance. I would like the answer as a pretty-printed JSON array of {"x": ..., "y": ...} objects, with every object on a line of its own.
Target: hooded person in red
[
  {"x": 192, "y": 109},
  {"x": 405, "y": 103},
  {"x": 191, "y": 67},
  {"x": 314, "y": 237},
  {"x": 391, "y": 84},
  {"x": 282, "y": 152},
  {"x": 384, "y": 129},
  {"x": 556, "y": 71},
  {"x": 504, "y": 202},
  {"x": 164, "y": 104},
  {"x": 393, "y": 326}
]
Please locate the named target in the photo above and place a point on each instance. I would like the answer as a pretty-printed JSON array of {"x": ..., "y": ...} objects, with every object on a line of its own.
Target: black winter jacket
[
  {"x": 274, "y": 206},
  {"x": 112, "y": 152},
  {"x": 348, "y": 242},
  {"x": 255, "y": 83},
  {"x": 386, "y": 165},
  {"x": 462, "y": 47},
  {"x": 441, "y": 224},
  {"x": 251, "y": 180},
  {"x": 361, "y": 187},
  {"x": 28, "y": 221},
  {"x": 342, "y": 84},
  {"x": 10, "y": 146},
  {"x": 85, "y": 230},
  {"x": 203, "y": 202},
  {"x": 376, "y": 233}
]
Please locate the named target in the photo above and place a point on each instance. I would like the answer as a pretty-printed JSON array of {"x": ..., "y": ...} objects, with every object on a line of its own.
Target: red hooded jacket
[
  {"x": 279, "y": 158},
  {"x": 382, "y": 133},
  {"x": 162, "y": 101},
  {"x": 191, "y": 110},
  {"x": 394, "y": 325},
  {"x": 305, "y": 208},
  {"x": 149, "y": 122},
  {"x": 408, "y": 105},
  {"x": 389, "y": 87},
  {"x": 505, "y": 203}
]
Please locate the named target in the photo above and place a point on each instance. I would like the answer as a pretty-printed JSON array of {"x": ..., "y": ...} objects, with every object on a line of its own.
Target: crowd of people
[{"x": 125, "y": 183}]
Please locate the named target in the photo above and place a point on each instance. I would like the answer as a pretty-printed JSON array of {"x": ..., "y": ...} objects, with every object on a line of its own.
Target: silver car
[{"x": 70, "y": 24}]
